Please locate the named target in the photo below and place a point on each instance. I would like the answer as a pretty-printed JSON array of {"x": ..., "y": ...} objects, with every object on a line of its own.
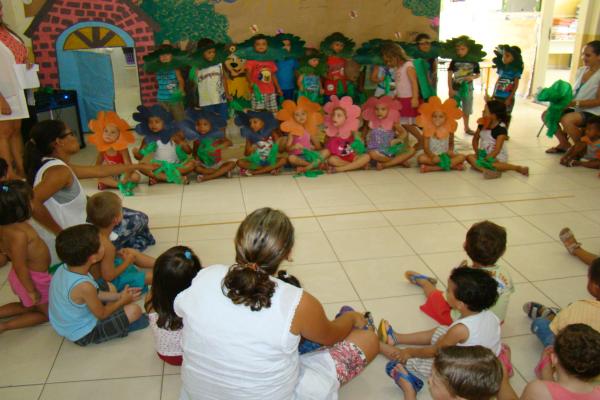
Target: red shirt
[
  {"x": 261, "y": 73},
  {"x": 15, "y": 45},
  {"x": 335, "y": 73}
]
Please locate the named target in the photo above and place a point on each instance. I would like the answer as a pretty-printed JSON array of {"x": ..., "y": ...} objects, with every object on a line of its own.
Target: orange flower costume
[
  {"x": 97, "y": 126},
  {"x": 314, "y": 118},
  {"x": 425, "y": 120}
]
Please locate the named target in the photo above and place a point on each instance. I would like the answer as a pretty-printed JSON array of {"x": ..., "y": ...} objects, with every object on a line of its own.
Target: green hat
[
  {"x": 369, "y": 53},
  {"x": 274, "y": 52},
  {"x": 475, "y": 53},
  {"x": 297, "y": 49},
  {"x": 197, "y": 60},
  {"x": 412, "y": 49},
  {"x": 349, "y": 44},
  {"x": 152, "y": 61},
  {"x": 515, "y": 51},
  {"x": 307, "y": 69}
]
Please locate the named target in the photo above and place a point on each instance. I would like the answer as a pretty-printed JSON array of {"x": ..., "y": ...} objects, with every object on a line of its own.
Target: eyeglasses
[{"x": 67, "y": 133}]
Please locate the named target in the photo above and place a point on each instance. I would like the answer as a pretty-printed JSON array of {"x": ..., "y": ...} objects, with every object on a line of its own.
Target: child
[
  {"x": 112, "y": 137},
  {"x": 161, "y": 137},
  {"x": 383, "y": 76},
  {"x": 286, "y": 68},
  {"x": 28, "y": 277},
  {"x": 310, "y": 72},
  {"x": 302, "y": 122},
  {"x": 347, "y": 151},
  {"x": 261, "y": 69},
  {"x": 209, "y": 77},
  {"x": 407, "y": 88},
  {"x": 462, "y": 71},
  {"x": 491, "y": 156},
  {"x": 166, "y": 63},
  {"x": 104, "y": 210},
  {"x": 209, "y": 128},
  {"x": 338, "y": 49},
  {"x": 576, "y": 362},
  {"x": 458, "y": 372},
  {"x": 470, "y": 291},
  {"x": 262, "y": 150},
  {"x": 386, "y": 141},
  {"x": 78, "y": 311},
  {"x": 574, "y": 248},
  {"x": 509, "y": 65},
  {"x": 485, "y": 243},
  {"x": 173, "y": 272},
  {"x": 425, "y": 49},
  {"x": 585, "y": 153}
]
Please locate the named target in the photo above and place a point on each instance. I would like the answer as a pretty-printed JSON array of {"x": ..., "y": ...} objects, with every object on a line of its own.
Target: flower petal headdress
[
  {"x": 97, "y": 126},
  {"x": 425, "y": 120},
  {"x": 392, "y": 117},
  {"x": 313, "y": 116},
  {"x": 144, "y": 114},
  {"x": 352, "y": 122}
]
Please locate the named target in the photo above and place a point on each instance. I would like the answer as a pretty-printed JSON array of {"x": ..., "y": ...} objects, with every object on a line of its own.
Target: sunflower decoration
[
  {"x": 143, "y": 116},
  {"x": 193, "y": 115},
  {"x": 274, "y": 51},
  {"x": 500, "y": 61},
  {"x": 438, "y": 119},
  {"x": 393, "y": 114},
  {"x": 350, "y": 123},
  {"x": 296, "y": 44},
  {"x": 243, "y": 121},
  {"x": 198, "y": 60},
  {"x": 110, "y": 132},
  {"x": 475, "y": 53},
  {"x": 369, "y": 53},
  {"x": 346, "y": 51},
  {"x": 173, "y": 58},
  {"x": 314, "y": 118}
]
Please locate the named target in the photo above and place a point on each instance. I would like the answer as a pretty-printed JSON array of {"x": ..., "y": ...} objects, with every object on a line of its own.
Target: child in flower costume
[
  {"x": 112, "y": 136},
  {"x": 166, "y": 62},
  {"x": 163, "y": 145},
  {"x": 386, "y": 140},
  {"x": 338, "y": 49},
  {"x": 509, "y": 65},
  {"x": 207, "y": 129},
  {"x": 261, "y": 70},
  {"x": 301, "y": 121},
  {"x": 286, "y": 68},
  {"x": 262, "y": 150},
  {"x": 438, "y": 121},
  {"x": 312, "y": 70},
  {"x": 342, "y": 122},
  {"x": 463, "y": 70}
]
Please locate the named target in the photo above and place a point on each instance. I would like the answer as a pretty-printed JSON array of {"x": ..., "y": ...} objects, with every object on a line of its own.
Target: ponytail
[
  {"x": 263, "y": 240},
  {"x": 40, "y": 145}
]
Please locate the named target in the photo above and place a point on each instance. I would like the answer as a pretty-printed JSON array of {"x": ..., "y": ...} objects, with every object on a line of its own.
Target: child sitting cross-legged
[
  {"x": 173, "y": 273},
  {"x": 77, "y": 310},
  {"x": 585, "y": 153},
  {"x": 105, "y": 211},
  {"x": 470, "y": 291}
]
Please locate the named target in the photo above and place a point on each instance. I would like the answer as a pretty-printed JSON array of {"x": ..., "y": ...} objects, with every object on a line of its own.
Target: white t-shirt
[
  {"x": 484, "y": 330},
  {"x": 166, "y": 152},
  {"x": 210, "y": 85}
]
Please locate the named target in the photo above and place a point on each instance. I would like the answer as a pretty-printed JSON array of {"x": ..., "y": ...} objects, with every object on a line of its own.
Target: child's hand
[
  {"x": 35, "y": 296},
  {"x": 414, "y": 102},
  {"x": 359, "y": 320},
  {"x": 402, "y": 355},
  {"x": 435, "y": 159},
  {"x": 129, "y": 295},
  {"x": 128, "y": 254}
]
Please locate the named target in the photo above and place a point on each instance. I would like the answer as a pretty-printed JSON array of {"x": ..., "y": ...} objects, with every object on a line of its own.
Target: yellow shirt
[{"x": 579, "y": 312}]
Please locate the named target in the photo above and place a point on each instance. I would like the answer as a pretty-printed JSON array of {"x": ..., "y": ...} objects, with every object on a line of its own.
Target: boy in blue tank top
[{"x": 78, "y": 311}]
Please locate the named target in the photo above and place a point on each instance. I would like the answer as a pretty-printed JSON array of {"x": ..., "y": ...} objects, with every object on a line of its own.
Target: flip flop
[
  {"x": 537, "y": 310},
  {"x": 390, "y": 369},
  {"x": 544, "y": 361},
  {"x": 343, "y": 311},
  {"x": 414, "y": 277},
  {"x": 385, "y": 332},
  {"x": 555, "y": 150},
  {"x": 566, "y": 235}
]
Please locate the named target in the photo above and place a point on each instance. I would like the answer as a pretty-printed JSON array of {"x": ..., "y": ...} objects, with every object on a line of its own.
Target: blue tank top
[
  {"x": 168, "y": 86},
  {"x": 69, "y": 319}
]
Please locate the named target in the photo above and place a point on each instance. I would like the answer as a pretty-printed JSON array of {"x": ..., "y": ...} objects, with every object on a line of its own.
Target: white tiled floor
[{"x": 356, "y": 235}]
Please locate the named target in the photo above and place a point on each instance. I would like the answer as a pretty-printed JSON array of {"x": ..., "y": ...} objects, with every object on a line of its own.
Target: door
[{"x": 90, "y": 73}]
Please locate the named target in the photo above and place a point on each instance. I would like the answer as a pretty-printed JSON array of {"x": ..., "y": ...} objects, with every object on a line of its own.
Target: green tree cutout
[
  {"x": 187, "y": 20},
  {"x": 427, "y": 8}
]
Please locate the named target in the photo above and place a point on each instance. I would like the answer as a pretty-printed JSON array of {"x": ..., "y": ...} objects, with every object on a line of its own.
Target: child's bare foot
[
  {"x": 523, "y": 171},
  {"x": 275, "y": 171},
  {"x": 459, "y": 167},
  {"x": 405, "y": 164},
  {"x": 424, "y": 168},
  {"x": 415, "y": 277},
  {"x": 185, "y": 180},
  {"x": 489, "y": 174},
  {"x": 379, "y": 166},
  {"x": 301, "y": 170},
  {"x": 199, "y": 178},
  {"x": 331, "y": 170},
  {"x": 568, "y": 239},
  {"x": 152, "y": 181},
  {"x": 367, "y": 166}
]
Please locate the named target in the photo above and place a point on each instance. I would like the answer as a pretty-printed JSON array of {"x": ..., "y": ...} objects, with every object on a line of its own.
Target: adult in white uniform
[{"x": 242, "y": 326}]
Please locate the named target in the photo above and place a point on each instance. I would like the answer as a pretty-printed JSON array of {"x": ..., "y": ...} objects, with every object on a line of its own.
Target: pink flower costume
[
  {"x": 340, "y": 135},
  {"x": 382, "y": 129}
]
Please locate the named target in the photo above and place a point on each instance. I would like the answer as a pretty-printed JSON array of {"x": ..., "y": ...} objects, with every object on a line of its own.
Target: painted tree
[{"x": 187, "y": 20}]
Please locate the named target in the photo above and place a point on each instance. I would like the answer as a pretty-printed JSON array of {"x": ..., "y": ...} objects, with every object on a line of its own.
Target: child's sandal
[
  {"x": 385, "y": 332},
  {"x": 542, "y": 364},
  {"x": 414, "y": 277},
  {"x": 396, "y": 375},
  {"x": 568, "y": 239},
  {"x": 536, "y": 310}
]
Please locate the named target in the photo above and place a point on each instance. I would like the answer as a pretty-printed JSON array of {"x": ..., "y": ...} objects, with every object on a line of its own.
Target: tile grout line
[{"x": 51, "y": 367}]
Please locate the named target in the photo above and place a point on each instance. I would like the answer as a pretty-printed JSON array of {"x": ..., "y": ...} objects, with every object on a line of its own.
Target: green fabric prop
[
  {"x": 52, "y": 269},
  {"x": 445, "y": 162},
  {"x": 170, "y": 170},
  {"x": 395, "y": 149},
  {"x": 422, "y": 70},
  {"x": 559, "y": 95},
  {"x": 238, "y": 104},
  {"x": 369, "y": 53},
  {"x": 475, "y": 54},
  {"x": 358, "y": 146},
  {"x": 462, "y": 93},
  {"x": 412, "y": 49},
  {"x": 311, "y": 173},
  {"x": 205, "y": 151},
  {"x": 358, "y": 97},
  {"x": 256, "y": 160},
  {"x": 126, "y": 188},
  {"x": 305, "y": 69},
  {"x": 181, "y": 154},
  {"x": 483, "y": 161},
  {"x": 258, "y": 96},
  {"x": 387, "y": 84},
  {"x": 346, "y": 52},
  {"x": 340, "y": 91},
  {"x": 315, "y": 97},
  {"x": 150, "y": 148},
  {"x": 314, "y": 158}
]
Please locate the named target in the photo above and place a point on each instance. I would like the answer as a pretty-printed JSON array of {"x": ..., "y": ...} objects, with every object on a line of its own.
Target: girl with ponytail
[{"x": 242, "y": 326}]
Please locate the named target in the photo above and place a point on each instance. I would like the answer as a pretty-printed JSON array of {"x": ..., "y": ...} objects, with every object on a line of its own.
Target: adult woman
[
  {"x": 586, "y": 99},
  {"x": 59, "y": 200},
  {"x": 12, "y": 51},
  {"x": 242, "y": 326}
]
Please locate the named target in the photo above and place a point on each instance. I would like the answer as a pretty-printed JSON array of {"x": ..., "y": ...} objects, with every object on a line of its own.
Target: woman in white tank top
[
  {"x": 59, "y": 199},
  {"x": 586, "y": 99},
  {"x": 242, "y": 326}
]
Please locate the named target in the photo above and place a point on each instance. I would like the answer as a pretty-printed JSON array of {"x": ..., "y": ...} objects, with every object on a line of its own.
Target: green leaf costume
[
  {"x": 559, "y": 95},
  {"x": 445, "y": 162},
  {"x": 483, "y": 161}
]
